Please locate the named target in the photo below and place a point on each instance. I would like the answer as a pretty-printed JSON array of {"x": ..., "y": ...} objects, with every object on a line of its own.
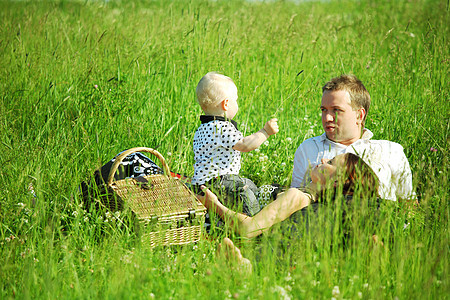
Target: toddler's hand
[{"x": 271, "y": 126}]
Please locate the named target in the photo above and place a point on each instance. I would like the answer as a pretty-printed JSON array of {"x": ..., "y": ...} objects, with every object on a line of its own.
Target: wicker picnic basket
[{"x": 169, "y": 211}]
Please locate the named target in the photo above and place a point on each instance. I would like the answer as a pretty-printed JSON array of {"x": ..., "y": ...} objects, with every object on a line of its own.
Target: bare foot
[
  {"x": 234, "y": 255},
  {"x": 209, "y": 199},
  {"x": 377, "y": 241}
]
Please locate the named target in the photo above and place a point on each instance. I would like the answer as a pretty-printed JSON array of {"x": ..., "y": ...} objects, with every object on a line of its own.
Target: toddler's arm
[{"x": 255, "y": 140}]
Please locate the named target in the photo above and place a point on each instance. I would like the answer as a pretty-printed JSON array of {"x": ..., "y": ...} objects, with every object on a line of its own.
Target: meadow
[{"x": 83, "y": 80}]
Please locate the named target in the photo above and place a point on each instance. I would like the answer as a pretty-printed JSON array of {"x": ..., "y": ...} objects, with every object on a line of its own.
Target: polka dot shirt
[{"x": 213, "y": 149}]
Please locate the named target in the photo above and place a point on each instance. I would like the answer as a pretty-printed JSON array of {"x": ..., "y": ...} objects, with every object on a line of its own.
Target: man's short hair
[
  {"x": 359, "y": 96},
  {"x": 214, "y": 88}
]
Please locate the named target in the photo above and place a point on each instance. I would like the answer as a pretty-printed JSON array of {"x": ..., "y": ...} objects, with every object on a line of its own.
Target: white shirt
[
  {"x": 213, "y": 150},
  {"x": 386, "y": 159}
]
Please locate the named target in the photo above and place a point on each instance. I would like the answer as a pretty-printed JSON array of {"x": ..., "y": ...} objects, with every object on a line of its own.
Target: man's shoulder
[
  {"x": 385, "y": 144},
  {"x": 311, "y": 141}
]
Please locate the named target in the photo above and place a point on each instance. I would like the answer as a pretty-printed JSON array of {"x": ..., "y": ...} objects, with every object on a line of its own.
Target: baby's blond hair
[{"x": 214, "y": 88}]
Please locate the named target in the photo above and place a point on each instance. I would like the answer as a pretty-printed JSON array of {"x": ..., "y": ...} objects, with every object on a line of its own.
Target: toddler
[{"x": 218, "y": 143}]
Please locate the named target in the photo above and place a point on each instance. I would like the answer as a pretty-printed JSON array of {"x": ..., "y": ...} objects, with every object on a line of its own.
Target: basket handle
[{"x": 130, "y": 151}]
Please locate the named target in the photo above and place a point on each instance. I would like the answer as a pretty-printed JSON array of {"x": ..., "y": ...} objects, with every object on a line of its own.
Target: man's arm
[{"x": 255, "y": 140}]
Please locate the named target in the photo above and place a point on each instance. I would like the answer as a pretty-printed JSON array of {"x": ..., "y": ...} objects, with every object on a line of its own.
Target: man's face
[{"x": 342, "y": 124}]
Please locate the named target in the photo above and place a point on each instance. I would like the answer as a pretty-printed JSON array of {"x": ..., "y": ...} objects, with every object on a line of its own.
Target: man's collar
[
  {"x": 367, "y": 135},
  {"x": 206, "y": 119}
]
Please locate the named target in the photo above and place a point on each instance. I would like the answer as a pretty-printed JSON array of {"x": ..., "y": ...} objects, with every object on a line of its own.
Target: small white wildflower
[
  {"x": 75, "y": 213},
  {"x": 317, "y": 263},
  {"x": 117, "y": 214},
  {"x": 108, "y": 215},
  {"x": 169, "y": 153},
  {"x": 359, "y": 295},
  {"x": 257, "y": 150},
  {"x": 283, "y": 164},
  {"x": 366, "y": 285},
  {"x": 288, "y": 139},
  {"x": 35, "y": 259},
  {"x": 412, "y": 35},
  {"x": 266, "y": 143},
  {"x": 282, "y": 292},
  {"x": 261, "y": 158},
  {"x": 152, "y": 296},
  {"x": 250, "y": 154},
  {"x": 86, "y": 219},
  {"x": 21, "y": 204},
  {"x": 335, "y": 291}
]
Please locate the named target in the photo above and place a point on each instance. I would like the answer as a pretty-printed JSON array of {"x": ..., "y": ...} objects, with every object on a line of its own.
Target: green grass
[{"x": 82, "y": 81}]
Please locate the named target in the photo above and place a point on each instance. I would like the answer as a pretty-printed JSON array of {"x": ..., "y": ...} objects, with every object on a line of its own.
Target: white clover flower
[
  {"x": 266, "y": 143},
  {"x": 257, "y": 150},
  {"x": 335, "y": 292},
  {"x": 282, "y": 292},
  {"x": 289, "y": 140}
]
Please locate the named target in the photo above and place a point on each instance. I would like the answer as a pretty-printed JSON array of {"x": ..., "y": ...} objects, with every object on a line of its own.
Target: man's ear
[
  {"x": 361, "y": 114},
  {"x": 225, "y": 105}
]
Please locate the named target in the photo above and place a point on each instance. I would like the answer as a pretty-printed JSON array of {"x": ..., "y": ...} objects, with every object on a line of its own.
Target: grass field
[{"x": 82, "y": 81}]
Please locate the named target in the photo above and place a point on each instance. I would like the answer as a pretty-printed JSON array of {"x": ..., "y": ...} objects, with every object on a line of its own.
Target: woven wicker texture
[
  {"x": 172, "y": 215},
  {"x": 162, "y": 196}
]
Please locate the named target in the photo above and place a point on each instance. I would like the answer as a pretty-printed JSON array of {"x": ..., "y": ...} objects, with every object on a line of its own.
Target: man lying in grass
[
  {"x": 345, "y": 105},
  {"x": 346, "y": 174}
]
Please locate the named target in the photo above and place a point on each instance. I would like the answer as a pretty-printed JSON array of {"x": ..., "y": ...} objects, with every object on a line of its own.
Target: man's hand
[{"x": 271, "y": 127}]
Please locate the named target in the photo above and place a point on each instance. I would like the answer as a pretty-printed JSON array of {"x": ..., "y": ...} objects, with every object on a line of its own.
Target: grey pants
[{"x": 238, "y": 192}]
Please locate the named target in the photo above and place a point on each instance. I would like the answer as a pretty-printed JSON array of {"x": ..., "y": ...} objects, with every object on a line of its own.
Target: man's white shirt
[{"x": 386, "y": 159}]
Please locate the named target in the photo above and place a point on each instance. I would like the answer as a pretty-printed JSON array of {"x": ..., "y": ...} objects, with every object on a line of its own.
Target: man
[{"x": 345, "y": 104}]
